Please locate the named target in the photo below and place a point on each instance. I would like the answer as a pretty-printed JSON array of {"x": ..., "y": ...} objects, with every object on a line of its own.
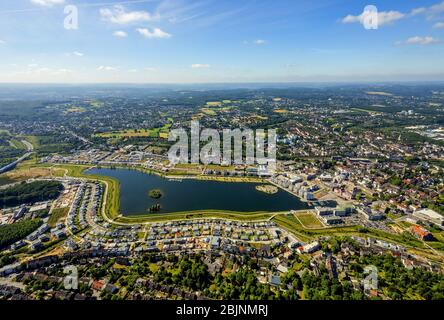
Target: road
[
  {"x": 30, "y": 149},
  {"x": 28, "y": 145},
  {"x": 79, "y": 137}
]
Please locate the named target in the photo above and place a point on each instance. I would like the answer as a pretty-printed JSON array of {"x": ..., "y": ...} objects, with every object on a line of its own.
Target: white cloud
[
  {"x": 431, "y": 11},
  {"x": 260, "y": 41},
  {"x": 120, "y": 34},
  {"x": 439, "y": 25},
  {"x": 384, "y": 17},
  {"x": 2, "y": 42},
  {"x": 47, "y": 3},
  {"x": 133, "y": 70},
  {"x": 34, "y": 69},
  {"x": 106, "y": 68},
  {"x": 42, "y": 70},
  {"x": 420, "y": 40},
  {"x": 387, "y": 17},
  {"x": 150, "y": 69},
  {"x": 156, "y": 33},
  {"x": 75, "y": 53},
  {"x": 416, "y": 11},
  {"x": 437, "y": 8},
  {"x": 352, "y": 19},
  {"x": 119, "y": 15},
  {"x": 200, "y": 66},
  {"x": 256, "y": 42},
  {"x": 62, "y": 71}
]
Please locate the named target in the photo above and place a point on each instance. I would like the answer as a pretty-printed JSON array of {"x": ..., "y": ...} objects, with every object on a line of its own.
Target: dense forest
[
  {"x": 30, "y": 193},
  {"x": 10, "y": 233}
]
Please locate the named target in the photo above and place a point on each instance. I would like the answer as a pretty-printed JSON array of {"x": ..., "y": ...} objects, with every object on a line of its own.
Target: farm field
[{"x": 161, "y": 132}]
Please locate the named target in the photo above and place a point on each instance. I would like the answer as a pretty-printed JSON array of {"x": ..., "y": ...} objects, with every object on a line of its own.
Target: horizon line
[{"x": 224, "y": 83}]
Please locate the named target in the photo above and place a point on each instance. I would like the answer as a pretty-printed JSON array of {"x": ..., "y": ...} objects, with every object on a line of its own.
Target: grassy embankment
[{"x": 199, "y": 214}]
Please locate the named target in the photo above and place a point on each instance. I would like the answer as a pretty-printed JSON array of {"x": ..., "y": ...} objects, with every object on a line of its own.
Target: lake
[{"x": 191, "y": 194}]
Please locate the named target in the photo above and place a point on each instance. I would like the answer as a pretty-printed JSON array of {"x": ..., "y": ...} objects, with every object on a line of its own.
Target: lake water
[{"x": 190, "y": 194}]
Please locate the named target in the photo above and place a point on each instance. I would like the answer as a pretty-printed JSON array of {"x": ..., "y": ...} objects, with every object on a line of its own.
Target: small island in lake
[
  {"x": 155, "y": 193},
  {"x": 267, "y": 188}
]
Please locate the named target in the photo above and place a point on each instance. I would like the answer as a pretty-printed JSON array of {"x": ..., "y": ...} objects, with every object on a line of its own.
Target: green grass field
[
  {"x": 309, "y": 220},
  {"x": 161, "y": 132},
  {"x": 208, "y": 111}
]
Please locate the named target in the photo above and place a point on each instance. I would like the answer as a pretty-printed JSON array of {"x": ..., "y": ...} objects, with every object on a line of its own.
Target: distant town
[{"x": 85, "y": 183}]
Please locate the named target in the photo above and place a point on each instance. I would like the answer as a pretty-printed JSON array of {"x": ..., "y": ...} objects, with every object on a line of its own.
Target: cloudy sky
[{"x": 190, "y": 41}]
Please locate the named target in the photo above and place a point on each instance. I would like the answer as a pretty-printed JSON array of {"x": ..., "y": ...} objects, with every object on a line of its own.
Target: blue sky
[{"x": 187, "y": 41}]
